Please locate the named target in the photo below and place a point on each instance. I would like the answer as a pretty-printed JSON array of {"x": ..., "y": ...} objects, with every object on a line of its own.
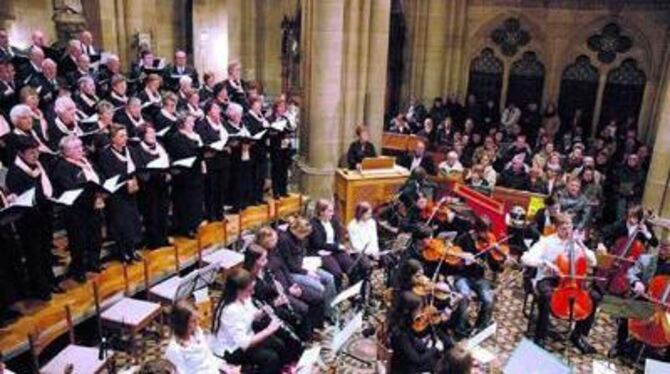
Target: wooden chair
[
  {"x": 83, "y": 359},
  {"x": 210, "y": 237},
  {"x": 128, "y": 315},
  {"x": 253, "y": 216}
]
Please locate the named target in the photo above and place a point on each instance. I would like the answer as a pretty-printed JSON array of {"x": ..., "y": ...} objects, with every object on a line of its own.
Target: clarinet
[
  {"x": 284, "y": 326},
  {"x": 280, "y": 290}
]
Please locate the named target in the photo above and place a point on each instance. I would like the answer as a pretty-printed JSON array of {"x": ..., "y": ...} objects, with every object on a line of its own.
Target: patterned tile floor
[{"x": 511, "y": 329}]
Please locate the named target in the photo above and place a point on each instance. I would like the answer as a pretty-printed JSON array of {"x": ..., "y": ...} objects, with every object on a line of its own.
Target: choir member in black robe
[
  {"x": 40, "y": 124},
  {"x": 154, "y": 194},
  {"x": 165, "y": 121},
  {"x": 65, "y": 122},
  {"x": 256, "y": 123},
  {"x": 194, "y": 106},
  {"x": 150, "y": 97},
  {"x": 34, "y": 226},
  {"x": 217, "y": 161},
  {"x": 179, "y": 69},
  {"x": 21, "y": 117},
  {"x": 83, "y": 218},
  {"x": 234, "y": 84},
  {"x": 360, "y": 149},
  {"x": 32, "y": 68},
  {"x": 83, "y": 70},
  {"x": 187, "y": 182},
  {"x": 242, "y": 162},
  {"x": 118, "y": 92},
  {"x": 221, "y": 97},
  {"x": 184, "y": 88},
  {"x": 98, "y": 139},
  {"x": 207, "y": 87},
  {"x": 86, "y": 98},
  {"x": 106, "y": 73},
  {"x": 281, "y": 151},
  {"x": 9, "y": 273},
  {"x": 68, "y": 63},
  {"x": 9, "y": 93},
  {"x": 46, "y": 85},
  {"x": 131, "y": 117},
  {"x": 123, "y": 217}
]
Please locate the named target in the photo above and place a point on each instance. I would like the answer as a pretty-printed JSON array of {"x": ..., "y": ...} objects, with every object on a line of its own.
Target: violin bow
[
  {"x": 435, "y": 209},
  {"x": 491, "y": 246}
]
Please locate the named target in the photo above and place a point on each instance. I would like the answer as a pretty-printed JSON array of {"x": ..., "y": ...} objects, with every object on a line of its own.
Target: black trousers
[
  {"x": 154, "y": 204},
  {"x": 214, "y": 186},
  {"x": 280, "y": 164},
  {"x": 34, "y": 230},
  {"x": 269, "y": 356},
  {"x": 545, "y": 289},
  {"x": 260, "y": 172},
  {"x": 83, "y": 227}
]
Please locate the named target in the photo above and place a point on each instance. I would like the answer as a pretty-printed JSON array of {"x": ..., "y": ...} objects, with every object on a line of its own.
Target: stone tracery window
[
  {"x": 526, "y": 80},
  {"x": 609, "y": 42},
  {"x": 485, "y": 80},
  {"x": 510, "y": 36}
]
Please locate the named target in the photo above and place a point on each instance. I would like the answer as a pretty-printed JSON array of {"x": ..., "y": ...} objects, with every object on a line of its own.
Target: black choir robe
[
  {"x": 10, "y": 266},
  {"x": 123, "y": 217},
  {"x": 187, "y": 185},
  {"x": 57, "y": 130},
  {"x": 9, "y": 96},
  {"x": 86, "y": 103},
  {"x": 237, "y": 92},
  {"x": 151, "y": 104},
  {"x": 35, "y": 230},
  {"x": 82, "y": 220},
  {"x": 46, "y": 88},
  {"x": 122, "y": 117},
  {"x": 117, "y": 100},
  {"x": 171, "y": 76},
  {"x": 242, "y": 171},
  {"x": 165, "y": 120},
  {"x": 281, "y": 154},
  {"x": 154, "y": 196},
  {"x": 217, "y": 164},
  {"x": 259, "y": 154}
]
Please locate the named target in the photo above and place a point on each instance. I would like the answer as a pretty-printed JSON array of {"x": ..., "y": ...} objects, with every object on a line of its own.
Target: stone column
[
  {"x": 322, "y": 68},
  {"x": 344, "y": 49},
  {"x": 210, "y": 36},
  {"x": 657, "y": 178}
]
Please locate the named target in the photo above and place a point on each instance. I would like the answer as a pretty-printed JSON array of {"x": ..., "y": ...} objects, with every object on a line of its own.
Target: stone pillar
[
  {"x": 657, "y": 178},
  {"x": 344, "y": 68},
  {"x": 210, "y": 36},
  {"x": 454, "y": 48},
  {"x": 435, "y": 51}
]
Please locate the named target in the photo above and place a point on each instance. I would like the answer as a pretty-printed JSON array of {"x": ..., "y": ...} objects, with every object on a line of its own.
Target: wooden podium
[{"x": 376, "y": 185}]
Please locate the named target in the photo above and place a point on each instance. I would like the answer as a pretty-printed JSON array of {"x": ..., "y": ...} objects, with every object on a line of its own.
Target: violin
[
  {"x": 424, "y": 286},
  {"x": 429, "y": 315},
  {"x": 626, "y": 251},
  {"x": 570, "y": 300},
  {"x": 436, "y": 211},
  {"x": 489, "y": 243},
  {"x": 438, "y": 250},
  {"x": 655, "y": 331}
]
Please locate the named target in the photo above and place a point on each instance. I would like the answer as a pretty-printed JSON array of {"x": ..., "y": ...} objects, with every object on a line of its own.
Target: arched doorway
[
  {"x": 578, "y": 91},
  {"x": 485, "y": 78},
  {"x": 526, "y": 81}
]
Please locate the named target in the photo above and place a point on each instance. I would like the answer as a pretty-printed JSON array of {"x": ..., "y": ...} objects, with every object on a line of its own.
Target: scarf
[
  {"x": 156, "y": 150},
  {"x": 169, "y": 115},
  {"x": 66, "y": 130},
  {"x": 137, "y": 123},
  {"x": 125, "y": 158},
  {"x": 86, "y": 168},
  {"x": 36, "y": 172}
]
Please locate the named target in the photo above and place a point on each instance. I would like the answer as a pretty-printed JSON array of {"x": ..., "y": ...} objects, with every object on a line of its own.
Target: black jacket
[
  {"x": 317, "y": 239},
  {"x": 357, "y": 152},
  {"x": 426, "y": 163}
]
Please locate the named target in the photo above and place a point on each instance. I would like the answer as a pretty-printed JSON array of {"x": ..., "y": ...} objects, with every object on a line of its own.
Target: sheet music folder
[{"x": 529, "y": 358}]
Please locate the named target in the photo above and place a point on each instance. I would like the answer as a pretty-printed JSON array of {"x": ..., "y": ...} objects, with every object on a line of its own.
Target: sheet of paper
[
  {"x": 604, "y": 367},
  {"x": 69, "y": 197},
  {"x": 201, "y": 295},
  {"x": 26, "y": 199},
  {"x": 656, "y": 367},
  {"x": 217, "y": 146},
  {"x": 161, "y": 163},
  {"x": 311, "y": 263},
  {"x": 112, "y": 184},
  {"x": 278, "y": 125},
  {"x": 308, "y": 359},
  {"x": 482, "y": 355},
  {"x": 347, "y": 294},
  {"x": 163, "y": 132},
  {"x": 482, "y": 335},
  {"x": 185, "y": 162},
  {"x": 341, "y": 336}
]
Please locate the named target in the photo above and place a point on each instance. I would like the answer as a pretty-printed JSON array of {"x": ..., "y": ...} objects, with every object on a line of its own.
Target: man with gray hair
[
  {"x": 83, "y": 69},
  {"x": 68, "y": 63},
  {"x": 65, "y": 122},
  {"x": 33, "y": 67},
  {"x": 109, "y": 68},
  {"x": 46, "y": 84}
]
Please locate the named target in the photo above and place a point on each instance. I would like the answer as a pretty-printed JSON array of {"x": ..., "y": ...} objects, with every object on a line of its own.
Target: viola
[
  {"x": 489, "y": 244},
  {"x": 424, "y": 286},
  {"x": 429, "y": 315},
  {"x": 570, "y": 300},
  {"x": 438, "y": 212},
  {"x": 655, "y": 331},
  {"x": 626, "y": 250}
]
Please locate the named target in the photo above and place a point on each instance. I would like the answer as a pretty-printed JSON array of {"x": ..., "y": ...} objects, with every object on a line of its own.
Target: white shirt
[
  {"x": 330, "y": 232},
  {"x": 547, "y": 249},
  {"x": 196, "y": 358},
  {"x": 362, "y": 234},
  {"x": 235, "y": 327},
  {"x": 446, "y": 169},
  {"x": 416, "y": 162}
]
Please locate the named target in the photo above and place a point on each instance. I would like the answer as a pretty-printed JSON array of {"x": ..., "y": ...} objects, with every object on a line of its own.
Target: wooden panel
[
  {"x": 352, "y": 189},
  {"x": 289, "y": 205},
  {"x": 211, "y": 234},
  {"x": 394, "y": 142},
  {"x": 512, "y": 197}
]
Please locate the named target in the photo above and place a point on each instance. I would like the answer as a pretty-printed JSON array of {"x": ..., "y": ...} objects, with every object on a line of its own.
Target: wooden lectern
[{"x": 377, "y": 182}]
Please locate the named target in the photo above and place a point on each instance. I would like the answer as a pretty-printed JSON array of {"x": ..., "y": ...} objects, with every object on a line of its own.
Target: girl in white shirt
[
  {"x": 188, "y": 350},
  {"x": 233, "y": 327},
  {"x": 363, "y": 231}
]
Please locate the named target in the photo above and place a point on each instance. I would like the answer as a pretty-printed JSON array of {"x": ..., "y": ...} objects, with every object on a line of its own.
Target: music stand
[
  {"x": 186, "y": 286},
  {"x": 206, "y": 276}
]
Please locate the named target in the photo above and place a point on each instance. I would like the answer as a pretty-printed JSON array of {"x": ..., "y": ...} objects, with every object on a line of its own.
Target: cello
[
  {"x": 570, "y": 301},
  {"x": 626, "y": 250},
  {"x": 655, "y": 331}
]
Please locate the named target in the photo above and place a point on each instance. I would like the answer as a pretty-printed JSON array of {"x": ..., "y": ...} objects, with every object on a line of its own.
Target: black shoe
[
  {"x": 582, "y": 345},
  {"x": 542, "y": 342}
]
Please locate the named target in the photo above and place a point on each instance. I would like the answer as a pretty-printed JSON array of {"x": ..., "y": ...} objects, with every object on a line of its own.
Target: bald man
[{"x": 178, "y": 69}]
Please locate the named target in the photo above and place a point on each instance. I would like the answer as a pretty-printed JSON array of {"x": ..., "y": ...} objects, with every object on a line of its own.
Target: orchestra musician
[
  {"x": 361, "y": 148},
  {"x": 544, "y": 217},
  {"x": 639, "y": 276},
  {"x": 543, "y": 256},
  {"x": 635, "y": 218},
  {"x": 239, "y": 337}
]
